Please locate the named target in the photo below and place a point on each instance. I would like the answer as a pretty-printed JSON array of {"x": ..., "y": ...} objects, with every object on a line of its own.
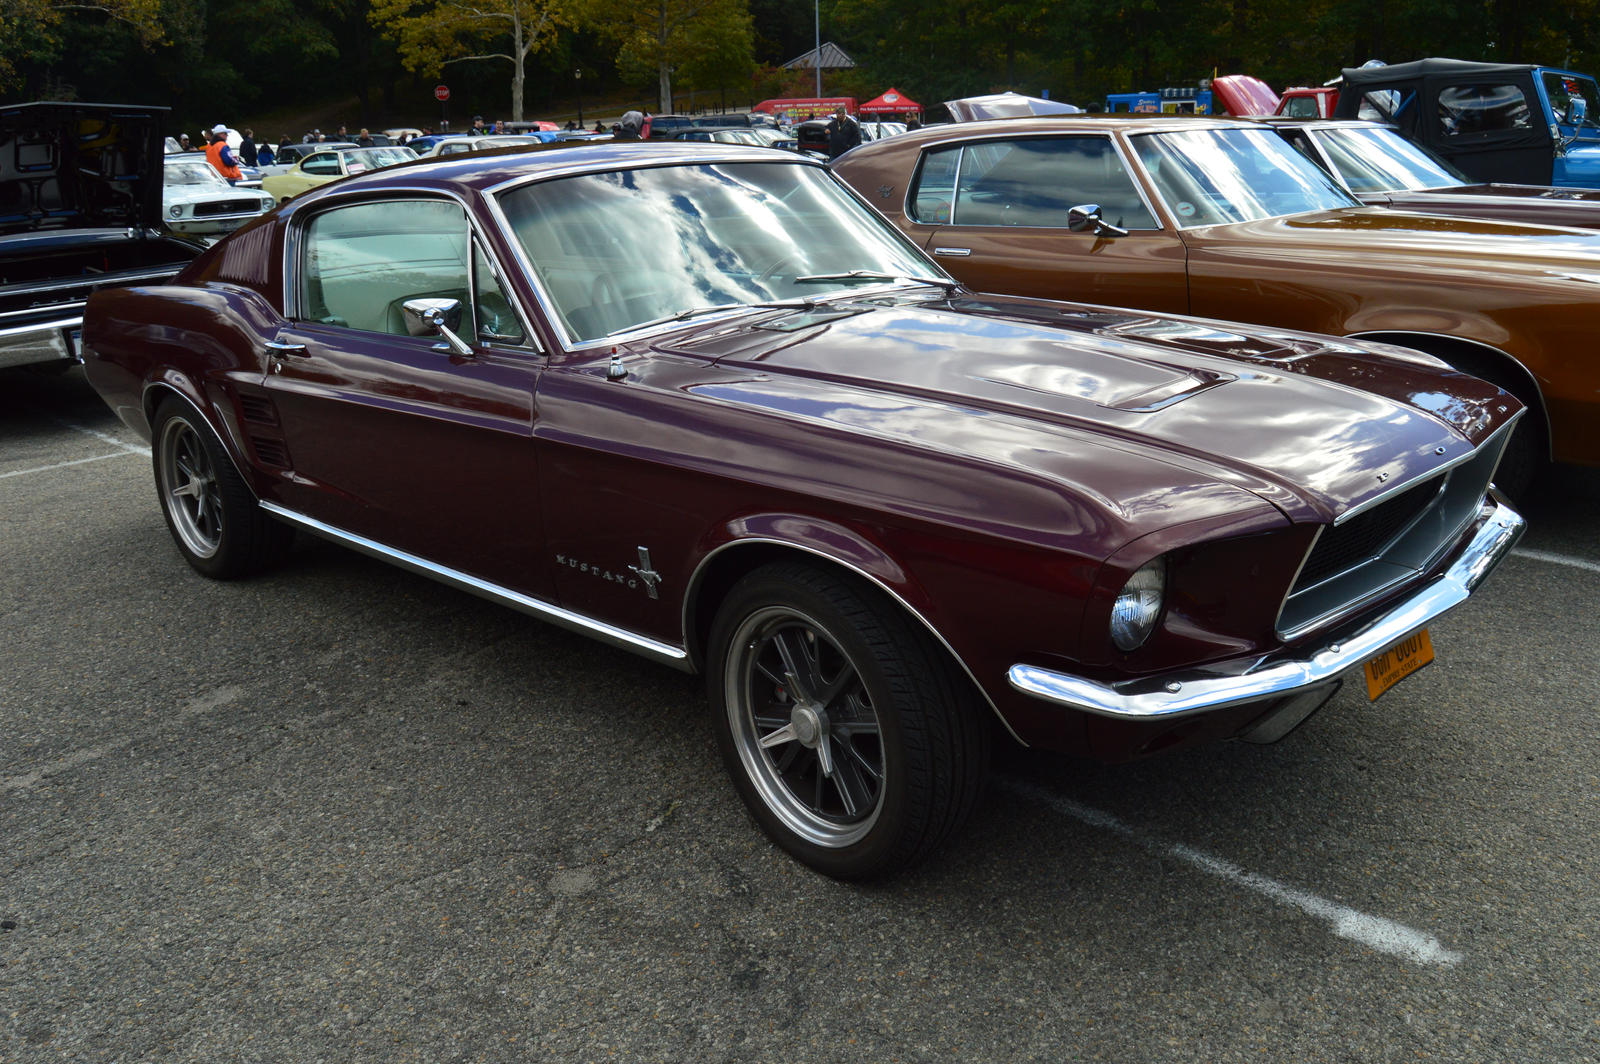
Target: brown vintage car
[
  {"x": 701, "y": 403},
  {"x": 1222, "y": 218},
  {"x": 1379, "y": 167}
]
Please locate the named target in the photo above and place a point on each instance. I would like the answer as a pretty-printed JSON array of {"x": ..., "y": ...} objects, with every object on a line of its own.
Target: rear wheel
[
  {"x": 847, "y": 732},
  {"x": 211, "y": 513}
]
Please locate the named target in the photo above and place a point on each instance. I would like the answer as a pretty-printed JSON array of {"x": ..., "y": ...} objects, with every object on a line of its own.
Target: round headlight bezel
[
  {"x": 1139, "y": 605},
  {"x": 175, "y": 211}
]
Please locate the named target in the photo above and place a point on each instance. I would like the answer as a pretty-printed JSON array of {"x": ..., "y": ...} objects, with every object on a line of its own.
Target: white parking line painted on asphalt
[
  {"x": 1558, "y": 559},
  {"x": 1381, "y": 934},
  {"x": 63, "y": 465},
  {"x": 131, "y": 448},
  {"x": 193, "y": 708}
]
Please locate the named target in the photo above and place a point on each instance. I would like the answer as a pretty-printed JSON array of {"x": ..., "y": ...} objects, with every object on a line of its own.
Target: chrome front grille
[
  {"x": 1363, "y": 537},
  {"x": 233, "y": 206},
  {"x": 1389, "y": 542}
]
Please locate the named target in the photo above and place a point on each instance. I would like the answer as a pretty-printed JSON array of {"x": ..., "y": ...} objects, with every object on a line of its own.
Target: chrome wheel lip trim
[
  {"x": 795, "y": 814},
  {"x": 176, "y": 433}
]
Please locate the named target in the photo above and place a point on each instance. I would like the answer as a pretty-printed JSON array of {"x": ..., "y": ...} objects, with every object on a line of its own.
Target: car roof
[
  {"x": 1420, "y": 68},
  {"x": 486, "y": 170}
]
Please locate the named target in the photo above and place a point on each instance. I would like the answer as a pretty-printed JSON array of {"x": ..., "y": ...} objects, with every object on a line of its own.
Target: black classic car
[
  {"x": 700, "y": 402},
  {"x": 80, "y": 210}
]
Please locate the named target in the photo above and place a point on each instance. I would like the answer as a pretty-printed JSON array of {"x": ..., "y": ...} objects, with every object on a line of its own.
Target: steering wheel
[
  {"x": 776, "y": 268},
  {"x": 605, "y": 291}
]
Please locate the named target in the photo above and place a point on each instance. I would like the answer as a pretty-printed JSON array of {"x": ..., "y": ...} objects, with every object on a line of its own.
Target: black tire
[
  {"x": 1525, "y": 458},
  {"x": 848, "y": 732},
  {"x": 210, "y": 511}
]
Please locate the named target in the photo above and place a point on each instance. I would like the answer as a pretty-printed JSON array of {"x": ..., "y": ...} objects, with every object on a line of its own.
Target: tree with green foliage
[
  {"x": 30, "y": 26},
  {"x": 431, "y": 34},
  {"x": 698, "y": 36}
]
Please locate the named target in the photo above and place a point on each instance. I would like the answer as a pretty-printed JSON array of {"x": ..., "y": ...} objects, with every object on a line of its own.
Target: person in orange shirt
[{"x": 219, "y": 155}]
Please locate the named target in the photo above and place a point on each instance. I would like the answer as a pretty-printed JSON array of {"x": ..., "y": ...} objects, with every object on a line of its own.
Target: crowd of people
[{"x": 842, "y": 131}]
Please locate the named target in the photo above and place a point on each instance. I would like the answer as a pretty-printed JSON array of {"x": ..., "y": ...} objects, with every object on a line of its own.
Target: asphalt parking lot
[{"x": 341, "y": 813}]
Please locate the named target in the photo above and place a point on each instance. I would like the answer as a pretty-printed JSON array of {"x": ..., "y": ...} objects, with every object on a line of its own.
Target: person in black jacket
[{"x": 843, "y": 133}]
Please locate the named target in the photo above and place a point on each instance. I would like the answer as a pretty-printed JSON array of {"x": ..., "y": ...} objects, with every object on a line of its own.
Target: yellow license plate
[{"x": 1398, "y": 662}]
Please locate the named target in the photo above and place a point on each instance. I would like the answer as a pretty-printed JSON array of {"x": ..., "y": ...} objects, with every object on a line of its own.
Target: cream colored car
[{"x": 324, "y": 166}]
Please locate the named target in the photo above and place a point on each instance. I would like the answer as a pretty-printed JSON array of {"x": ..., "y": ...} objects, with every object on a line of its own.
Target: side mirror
[
  {"x": 1577, "y": 110},
  {"x": 436, "y": 317},
  {"x": 1086, "y": 218}
]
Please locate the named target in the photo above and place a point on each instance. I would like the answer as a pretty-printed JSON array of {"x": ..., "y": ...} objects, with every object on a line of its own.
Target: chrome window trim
[
  {"x": 699, "y": 158},
  {"x": 294, "y": 237},
  {"x": 699, "y": 574},
  {"x": 654, "y": 649},
  {"x": 1129, "y": 165}
]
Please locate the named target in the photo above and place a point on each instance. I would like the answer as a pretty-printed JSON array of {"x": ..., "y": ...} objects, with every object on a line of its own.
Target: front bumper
[{"x": 1276, "y": 677}]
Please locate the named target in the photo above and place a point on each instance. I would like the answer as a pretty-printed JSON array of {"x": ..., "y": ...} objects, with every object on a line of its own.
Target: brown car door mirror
[{"x": 1086, "y": 218}]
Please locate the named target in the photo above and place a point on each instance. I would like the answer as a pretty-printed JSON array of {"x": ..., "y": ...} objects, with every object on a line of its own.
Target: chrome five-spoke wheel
[
  {"x": 804, "y": 727},
  {"x": 189, "y": 490},
  {"x": 850, "y": 735},
  {"x": 214, "y": 517}
]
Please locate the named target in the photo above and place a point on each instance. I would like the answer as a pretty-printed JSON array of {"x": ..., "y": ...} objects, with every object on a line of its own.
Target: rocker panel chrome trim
[{"x": 677, "y": 657}]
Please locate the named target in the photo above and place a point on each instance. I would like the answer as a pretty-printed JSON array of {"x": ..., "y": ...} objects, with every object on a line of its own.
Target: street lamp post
[
  {"x": 577, "y": 77},
  {"x": 816, "y": 56}
]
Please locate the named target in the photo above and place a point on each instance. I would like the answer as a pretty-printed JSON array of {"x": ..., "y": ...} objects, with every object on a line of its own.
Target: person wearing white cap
[{"x": 219, "y": 155}]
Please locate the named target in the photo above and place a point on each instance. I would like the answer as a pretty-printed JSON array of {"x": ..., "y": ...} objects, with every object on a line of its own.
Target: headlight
[
  {"x": 1134, "y": 615},
  {"x": 267, "y": 203},
  {"x": 175, "y": 210}
]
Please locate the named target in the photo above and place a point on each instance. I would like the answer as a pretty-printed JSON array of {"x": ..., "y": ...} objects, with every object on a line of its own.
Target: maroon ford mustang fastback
[{"x": 705, "y": 405}]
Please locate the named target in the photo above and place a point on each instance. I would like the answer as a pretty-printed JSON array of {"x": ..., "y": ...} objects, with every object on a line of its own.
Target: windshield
[
  {"x": 1563, "y": 88},
  {"x": 361, "y": 160},
  {"x": 1380, "y": 160},
  {"x": 1209, "y": 176},
  {"x": 192, "y": 173},
  {"x": 616, "y": 250}
]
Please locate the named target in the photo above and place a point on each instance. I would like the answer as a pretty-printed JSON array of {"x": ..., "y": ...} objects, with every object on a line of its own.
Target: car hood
[
  {"x": 80, "y": 166},
  {"x": 1312, "y": 425},
  {"x": 1361, "y": 237}
]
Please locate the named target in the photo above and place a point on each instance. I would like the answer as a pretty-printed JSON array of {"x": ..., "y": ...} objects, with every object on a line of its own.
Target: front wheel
[
  {"x": 210, "y": 511},
  {"x": 849, "y": 735}
]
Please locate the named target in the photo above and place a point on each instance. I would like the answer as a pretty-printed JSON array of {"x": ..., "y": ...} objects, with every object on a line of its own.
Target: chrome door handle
[
  {"x": 286, "y": 349},
  {"x": 958, "y": 252}
]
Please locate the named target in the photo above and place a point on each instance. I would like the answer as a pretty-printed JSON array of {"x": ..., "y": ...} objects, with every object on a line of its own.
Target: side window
[
  {"x": 1035, "y": 181},
  {"x": 936, "y": 186},
  {"x": 320, "y": 164},
  {"x": 497, "y": 322},
  {"x": 1468, "y": 109},
  {"x": 1301, "y": 107},
  {"x": 361, "y": 263}
]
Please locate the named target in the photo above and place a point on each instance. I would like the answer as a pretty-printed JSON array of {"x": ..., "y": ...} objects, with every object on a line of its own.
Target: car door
[
  {"x": 398, "y": 438},
  {"x": 995, "y": 214}
]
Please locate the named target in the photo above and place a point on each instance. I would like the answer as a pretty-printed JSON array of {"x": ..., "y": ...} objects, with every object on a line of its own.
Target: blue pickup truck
[{"x": 1513, "y": 123}]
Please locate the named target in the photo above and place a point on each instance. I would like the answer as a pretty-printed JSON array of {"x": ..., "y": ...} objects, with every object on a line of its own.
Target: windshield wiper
[
  {"x": 695, "y": 312},
  {"x": 874, "y": 277}
]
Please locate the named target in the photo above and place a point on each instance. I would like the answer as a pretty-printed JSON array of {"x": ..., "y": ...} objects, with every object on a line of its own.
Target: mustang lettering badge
[{"x": 651, "y": 578}]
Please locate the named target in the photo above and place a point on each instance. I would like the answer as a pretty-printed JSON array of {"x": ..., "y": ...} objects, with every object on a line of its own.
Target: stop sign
[{"x": 441, "y": 92}]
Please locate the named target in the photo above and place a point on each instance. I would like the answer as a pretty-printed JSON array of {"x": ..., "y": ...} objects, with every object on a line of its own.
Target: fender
[
  {"x": 1515, "y": 377},
  {"x": 735, "y": 548}
]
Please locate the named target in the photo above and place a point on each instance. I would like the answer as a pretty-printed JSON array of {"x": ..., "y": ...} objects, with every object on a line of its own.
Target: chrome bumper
[
  {"x": 1177, "y": 694},
  {"x": 46, "y": 341}
]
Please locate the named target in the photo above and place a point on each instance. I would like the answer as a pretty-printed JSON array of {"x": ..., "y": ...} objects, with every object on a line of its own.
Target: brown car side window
[
  {"x": 936, "y": 185},
  {"x": 1469, "y": 109},
  {"x": 1036, "y": 181}
]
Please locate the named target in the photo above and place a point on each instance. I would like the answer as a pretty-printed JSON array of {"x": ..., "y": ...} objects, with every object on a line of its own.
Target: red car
[{"x": 709, "y": 407}]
